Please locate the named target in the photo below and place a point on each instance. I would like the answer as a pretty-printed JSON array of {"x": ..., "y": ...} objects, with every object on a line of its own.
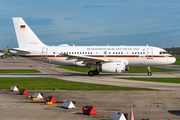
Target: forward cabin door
[
  {"x": 149, "y": 53},
  {"x": 44, "y": 53}
]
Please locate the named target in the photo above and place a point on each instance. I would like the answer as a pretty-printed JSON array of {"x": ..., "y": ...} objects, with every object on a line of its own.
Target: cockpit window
[{"x": 163, "y": 52}]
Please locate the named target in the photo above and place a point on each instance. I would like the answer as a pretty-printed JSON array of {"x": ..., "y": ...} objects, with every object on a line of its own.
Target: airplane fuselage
[{"x": 135, "y": 55}]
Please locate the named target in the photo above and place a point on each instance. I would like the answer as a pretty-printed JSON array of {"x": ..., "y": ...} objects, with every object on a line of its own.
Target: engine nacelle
[
  {"x": 79, "y": 64},
  {"x": 112, "y": 67}
]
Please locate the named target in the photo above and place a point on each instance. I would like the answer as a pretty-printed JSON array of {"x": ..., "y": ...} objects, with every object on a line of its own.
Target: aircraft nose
[{"x": 173, "y": 59}]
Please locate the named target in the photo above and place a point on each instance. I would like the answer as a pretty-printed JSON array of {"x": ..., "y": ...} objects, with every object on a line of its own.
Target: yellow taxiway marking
[{"x": 172, "y": 75}]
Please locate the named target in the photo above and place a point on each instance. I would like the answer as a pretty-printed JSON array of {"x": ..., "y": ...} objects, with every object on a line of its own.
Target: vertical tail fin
[{"x": 25, "y": 36}]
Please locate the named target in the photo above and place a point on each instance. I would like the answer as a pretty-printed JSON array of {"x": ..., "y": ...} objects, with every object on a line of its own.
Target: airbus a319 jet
[{"x": 113, "y": 59}]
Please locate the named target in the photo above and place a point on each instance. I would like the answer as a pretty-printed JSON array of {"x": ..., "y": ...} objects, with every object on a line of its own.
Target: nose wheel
[{"x": 149, "y": 73}]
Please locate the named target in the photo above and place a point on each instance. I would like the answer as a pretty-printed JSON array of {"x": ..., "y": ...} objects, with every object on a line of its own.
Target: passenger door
[
  {"x": 44, "y": 53},
  {"x": 149, "y": 53}
]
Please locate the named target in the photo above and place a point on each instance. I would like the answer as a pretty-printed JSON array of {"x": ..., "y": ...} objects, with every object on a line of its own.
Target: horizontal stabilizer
[{"x": 19, "y": 50}]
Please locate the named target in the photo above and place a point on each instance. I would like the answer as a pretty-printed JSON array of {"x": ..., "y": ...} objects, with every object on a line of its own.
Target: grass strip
[
  {"x": 177, "y": 61},
  {"x": 18, "y": 71},
  {"x": 166, "y": 80},
  {"x": 54, "y": 83},
  {"x": 74, "y": 68}
]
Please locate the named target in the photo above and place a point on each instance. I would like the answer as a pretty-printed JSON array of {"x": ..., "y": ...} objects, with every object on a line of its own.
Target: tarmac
[{"x": 159, "y": 104}]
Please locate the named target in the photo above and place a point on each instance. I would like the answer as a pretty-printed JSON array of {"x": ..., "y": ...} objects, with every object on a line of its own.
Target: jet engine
[
  {"x": 112, "y": 67},
  {"x": 79, "y": 63}
]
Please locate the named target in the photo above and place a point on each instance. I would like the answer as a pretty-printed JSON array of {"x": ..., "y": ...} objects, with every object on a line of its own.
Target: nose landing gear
[{"x": 149, "y": 73}]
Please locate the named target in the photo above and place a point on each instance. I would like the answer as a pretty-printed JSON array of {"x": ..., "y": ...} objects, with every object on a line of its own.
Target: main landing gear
[
  {"x": 149, "y": 73},
  {"x": 92, "y": 73}
]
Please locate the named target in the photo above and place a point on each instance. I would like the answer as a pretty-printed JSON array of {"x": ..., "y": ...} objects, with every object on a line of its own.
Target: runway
[{"x": 159, "y": 104}]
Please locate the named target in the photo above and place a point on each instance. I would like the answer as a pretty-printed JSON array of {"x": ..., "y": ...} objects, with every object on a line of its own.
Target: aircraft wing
[{"x": 87, "y": 59}]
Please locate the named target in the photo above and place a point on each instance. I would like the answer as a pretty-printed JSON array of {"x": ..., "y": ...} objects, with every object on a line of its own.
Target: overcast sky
[{"x": 94, "y": 22}]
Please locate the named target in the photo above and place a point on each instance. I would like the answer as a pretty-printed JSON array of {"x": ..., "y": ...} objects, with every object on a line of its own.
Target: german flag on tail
[{"x": 22, "y": 26}]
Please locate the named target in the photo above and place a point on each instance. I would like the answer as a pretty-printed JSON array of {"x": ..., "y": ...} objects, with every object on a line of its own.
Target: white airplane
[{"x": 114, "y": 59}]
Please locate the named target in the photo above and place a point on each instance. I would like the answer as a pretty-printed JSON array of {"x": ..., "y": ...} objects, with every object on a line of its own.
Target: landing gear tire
[
  {"x": 91, "y": 73},
  {"x": 96, "y": 72},
  {"x": 149, "y": 73}
]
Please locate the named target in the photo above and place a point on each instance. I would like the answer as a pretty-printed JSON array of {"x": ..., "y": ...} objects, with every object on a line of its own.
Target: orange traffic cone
[{"x": 131, "y": 117}]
